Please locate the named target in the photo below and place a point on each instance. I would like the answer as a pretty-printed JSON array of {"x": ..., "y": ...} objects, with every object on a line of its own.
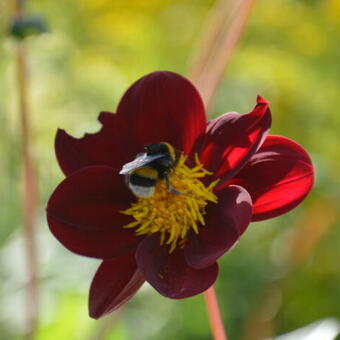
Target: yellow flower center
[{"x": 170, "y": 214}]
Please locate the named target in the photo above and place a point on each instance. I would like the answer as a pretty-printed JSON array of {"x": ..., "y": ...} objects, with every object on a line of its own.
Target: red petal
[
  {"x": 93, "y": 149},
  {"x": 278, "y": 177},
  {"x": 232, "y": 139},
  {"x": 225, "y": 221},
  {"x": 84, "y": 213},
  {"x": 169, "y": 274},
  {"x": 160, "y": 107},
  {"x": 114, "y": 283}
]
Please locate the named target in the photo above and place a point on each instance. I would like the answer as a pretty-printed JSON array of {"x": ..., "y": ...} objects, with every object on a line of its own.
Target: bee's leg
[{"x": 168, "y": 184}]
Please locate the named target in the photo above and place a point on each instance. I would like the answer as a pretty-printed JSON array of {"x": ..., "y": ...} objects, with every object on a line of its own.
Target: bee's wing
[{"x": 139, "y": 162}]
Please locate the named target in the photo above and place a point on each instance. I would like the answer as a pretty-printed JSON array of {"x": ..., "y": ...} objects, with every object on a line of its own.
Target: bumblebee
[{"x": 150, "y": 166}]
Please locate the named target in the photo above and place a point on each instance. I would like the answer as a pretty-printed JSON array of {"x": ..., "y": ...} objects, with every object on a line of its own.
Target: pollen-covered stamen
[{"x": 170, "y": 214}]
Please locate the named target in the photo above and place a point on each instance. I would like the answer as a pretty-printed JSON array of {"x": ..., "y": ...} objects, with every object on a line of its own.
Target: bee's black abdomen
[{"x": 141, "y": 181}]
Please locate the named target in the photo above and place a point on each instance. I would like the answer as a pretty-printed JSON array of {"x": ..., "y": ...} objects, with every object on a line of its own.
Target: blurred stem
[
  {"x": 214, "y": 313},
  {"x": 29, "y": 186},
  {"x": 104, "y": 326},
  {"x": 305, "y": 236},
  {"x": 221, "y": 33}
]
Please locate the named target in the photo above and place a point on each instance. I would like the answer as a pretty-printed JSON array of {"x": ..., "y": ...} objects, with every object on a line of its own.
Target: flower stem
[
  {"x": 29, "y": 187},
  {"x": 214, "y": 313}
]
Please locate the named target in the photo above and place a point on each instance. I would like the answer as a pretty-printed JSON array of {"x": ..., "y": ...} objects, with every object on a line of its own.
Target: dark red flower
[{"x": 93, "y": 212}]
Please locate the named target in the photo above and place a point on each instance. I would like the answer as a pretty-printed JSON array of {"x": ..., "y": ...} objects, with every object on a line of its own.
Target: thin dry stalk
[
  {"x": 221, "y": 34},
  {"x": 105, "y": 326},
  {"x": 29, "y": 187}
]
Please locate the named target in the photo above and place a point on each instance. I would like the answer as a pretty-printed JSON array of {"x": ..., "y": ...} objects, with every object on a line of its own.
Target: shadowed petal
[
  {"x": 114, "y": 283},
  {"x": 84, "y": 213},
  {"x": 225, "y": 221},
  {"x": 160, "y": 107},
  {"x": 99, "y": 148},
  {"x": 278, "y": 177},
  {"x": 169, "y": 274},
  {"x": 102, "y": 244},
  {"x": 232, "y": 139}
]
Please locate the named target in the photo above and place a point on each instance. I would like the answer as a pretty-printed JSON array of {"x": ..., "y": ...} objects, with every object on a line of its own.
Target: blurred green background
[{"x": 284, "y": 273}]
